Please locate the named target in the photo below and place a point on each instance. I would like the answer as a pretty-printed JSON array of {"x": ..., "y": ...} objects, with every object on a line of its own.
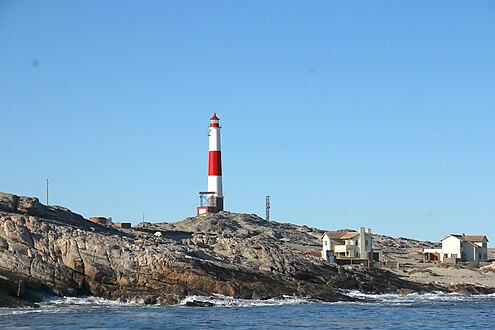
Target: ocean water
[{"x": 428, "y": 311}]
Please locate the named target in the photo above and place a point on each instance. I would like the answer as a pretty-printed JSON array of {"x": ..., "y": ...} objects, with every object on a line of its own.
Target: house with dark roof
[
  {"x": 459, "y": 248},
  {"x": 347, "y": 247}
]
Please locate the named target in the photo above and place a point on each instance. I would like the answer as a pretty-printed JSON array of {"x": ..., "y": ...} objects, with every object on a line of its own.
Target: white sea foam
[
  {"x": 86, "y": 301},
  {"x": 414, "y": 298},
  {"x": 53, "y": 305},
  {"x": 225, "y": 301}
]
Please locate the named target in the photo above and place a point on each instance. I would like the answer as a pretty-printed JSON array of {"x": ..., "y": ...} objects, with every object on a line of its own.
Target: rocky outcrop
[
  {"x": 469, "y": 288},
  {"x": 50, "y": 250},
  {"x": 32, "y": 206}
]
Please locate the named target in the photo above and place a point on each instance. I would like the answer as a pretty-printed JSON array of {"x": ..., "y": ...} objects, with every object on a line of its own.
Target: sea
[{"x": 414, "y": 311}]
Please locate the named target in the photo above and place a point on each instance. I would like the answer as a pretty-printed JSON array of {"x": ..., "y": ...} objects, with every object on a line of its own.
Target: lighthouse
[{"x": 214, "y": 195}]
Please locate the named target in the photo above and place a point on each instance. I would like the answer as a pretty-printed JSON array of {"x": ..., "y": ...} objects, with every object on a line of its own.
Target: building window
[
  {"x": 453, "y": 255},
  {"x": 479, "y": 255},
  {"x": 325, "y": 243},
  {"x": 366, "y": 243}
]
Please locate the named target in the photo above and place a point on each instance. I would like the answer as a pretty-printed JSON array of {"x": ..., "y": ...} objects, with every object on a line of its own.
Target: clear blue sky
[{"x": 350, "y": 113}]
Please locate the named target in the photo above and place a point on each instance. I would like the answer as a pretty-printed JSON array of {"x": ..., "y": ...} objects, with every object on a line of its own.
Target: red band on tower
[{"x": 214, "y": 163}]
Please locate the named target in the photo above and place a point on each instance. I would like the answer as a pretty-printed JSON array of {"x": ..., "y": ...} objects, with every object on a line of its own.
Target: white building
[
  {"x": 347, "y": 246},
  {"x": 460, "y": 248}
]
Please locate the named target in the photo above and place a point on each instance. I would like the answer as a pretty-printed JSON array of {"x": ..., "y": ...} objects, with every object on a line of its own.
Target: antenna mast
[
  {"x": 267, "y": 208},
  {"x": 47, "y": 191}
]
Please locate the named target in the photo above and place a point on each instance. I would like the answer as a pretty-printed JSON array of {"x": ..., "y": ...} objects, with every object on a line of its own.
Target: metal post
[{"x": 267, "y": 208}]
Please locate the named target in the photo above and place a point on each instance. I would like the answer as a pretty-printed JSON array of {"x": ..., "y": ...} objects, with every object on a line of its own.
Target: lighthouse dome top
[{"x": 214, "y": 121}]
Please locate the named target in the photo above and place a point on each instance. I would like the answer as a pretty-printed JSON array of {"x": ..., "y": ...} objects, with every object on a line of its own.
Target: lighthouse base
[
  {"x": 215, "y": 205},
  {"x": 218, "y": 204}
]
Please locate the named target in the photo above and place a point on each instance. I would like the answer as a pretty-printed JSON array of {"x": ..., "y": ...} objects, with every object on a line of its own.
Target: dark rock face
[
  {"x": 50, "y": 250},
  {"x": 470, "y": 289},
  {"x": 196, "y": 303}
]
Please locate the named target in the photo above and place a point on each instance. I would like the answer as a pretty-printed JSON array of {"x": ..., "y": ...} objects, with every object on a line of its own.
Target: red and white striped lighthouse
[{"x": 215, "y": 192}]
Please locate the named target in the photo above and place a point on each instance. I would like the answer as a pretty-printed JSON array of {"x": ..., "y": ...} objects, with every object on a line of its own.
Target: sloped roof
[
  {"x": 335, "y": 234},
  {"x": 468, "y": 238},
  {"x": 350, "y": 234},
  {"x": 474, "y": 238},
  {"x": 341, "y": 235}
]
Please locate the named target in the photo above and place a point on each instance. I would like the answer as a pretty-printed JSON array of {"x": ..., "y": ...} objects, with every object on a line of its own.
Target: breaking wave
[
  {"x": 90, "y": 300},
  {"x": 386, "y": 311},
  {"x": 417, "y": 298},
  {"x": 70, "y": 304},
  {"x": 225, "y": 301}
]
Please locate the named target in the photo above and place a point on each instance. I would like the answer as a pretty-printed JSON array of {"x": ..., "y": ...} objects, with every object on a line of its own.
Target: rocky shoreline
[{"x": 49, "y": 250}]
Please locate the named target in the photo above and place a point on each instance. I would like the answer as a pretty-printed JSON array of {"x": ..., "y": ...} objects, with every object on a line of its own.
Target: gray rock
[{"x": 55, "y": 251}]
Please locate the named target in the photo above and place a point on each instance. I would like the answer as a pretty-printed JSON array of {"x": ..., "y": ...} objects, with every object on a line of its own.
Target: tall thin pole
[
  {"x": 46, "y": 191},
  {"x": 267, "y": 208}
]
